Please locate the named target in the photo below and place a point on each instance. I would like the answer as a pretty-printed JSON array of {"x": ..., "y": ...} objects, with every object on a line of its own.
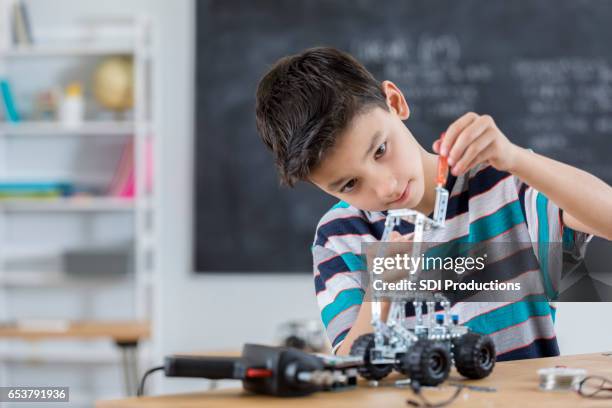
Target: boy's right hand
[
  {"x": 397, "y": 237},
  {"x": 473, "y": 139}
]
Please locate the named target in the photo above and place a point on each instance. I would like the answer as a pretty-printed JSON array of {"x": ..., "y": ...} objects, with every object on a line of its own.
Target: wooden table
[
  {"x": 516, "y": 383},
  {"x": 125, "y": 334}
]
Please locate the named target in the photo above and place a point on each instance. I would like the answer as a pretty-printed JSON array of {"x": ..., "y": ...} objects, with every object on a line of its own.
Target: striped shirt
[{"x": 485, "y": 205}]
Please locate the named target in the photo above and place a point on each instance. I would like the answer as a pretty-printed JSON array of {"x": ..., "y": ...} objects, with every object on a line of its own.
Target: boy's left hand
[{"x": 473, "y": 139}]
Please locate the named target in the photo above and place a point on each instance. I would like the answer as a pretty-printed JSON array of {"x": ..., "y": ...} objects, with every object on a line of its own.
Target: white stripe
[
  {"x": 336, "y": 284},
  {"x": 339, "y": 212},
  {"x": 348, "y": 243},
  {"x": 342, "y": 321},
  {"x": 531, "y": 212},
  {"x": 521, "y": 335}
]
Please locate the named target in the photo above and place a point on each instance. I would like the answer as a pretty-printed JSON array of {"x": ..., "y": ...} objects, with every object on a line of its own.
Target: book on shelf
[
  {"x": 21, "y": 28},
  {"x": 16, "y": 190},
  {"x": 10, "y": 110}
]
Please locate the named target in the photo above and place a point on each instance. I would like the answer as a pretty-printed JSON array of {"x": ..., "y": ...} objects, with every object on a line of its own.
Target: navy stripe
[
  {"x": 539, "y": 348},
  {"x": 450, "y": 182},
  {"x": 458, "y": 204},
  {"x": 344, "y": 226},
  {"x": 485, "y": 180},
  {"x": 340, "y": 337},
  {"x": 328, "y": 269},
  {"x": 482, "y": 182},
  {"x": 521, "y": 196}
]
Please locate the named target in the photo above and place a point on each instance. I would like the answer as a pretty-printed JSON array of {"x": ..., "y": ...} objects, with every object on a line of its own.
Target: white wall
[{"x": 584, "y": 327}]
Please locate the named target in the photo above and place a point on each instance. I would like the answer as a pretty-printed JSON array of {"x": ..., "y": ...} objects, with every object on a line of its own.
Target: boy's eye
[
  {"x": 380, "y": 151},
  {"x": 348, "y": 186}
]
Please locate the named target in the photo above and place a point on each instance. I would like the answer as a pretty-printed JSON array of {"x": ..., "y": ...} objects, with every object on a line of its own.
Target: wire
[
  {"x": 425, "y": 403},
  {"x": 140, "y": 391},
  {"x": 592, "y": 387}
]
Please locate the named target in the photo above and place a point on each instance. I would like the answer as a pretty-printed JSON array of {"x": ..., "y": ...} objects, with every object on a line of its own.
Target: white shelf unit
[{"x": 141, "y": 209}]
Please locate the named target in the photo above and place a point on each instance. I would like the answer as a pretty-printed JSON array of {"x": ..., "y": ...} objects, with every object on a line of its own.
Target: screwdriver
[
  {"x": 442, "y": 166},
  {"x": 441, "y": 202}
]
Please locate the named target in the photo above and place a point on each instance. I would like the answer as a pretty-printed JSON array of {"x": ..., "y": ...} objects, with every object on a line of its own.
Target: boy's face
[{"x": 376, "y": 163}]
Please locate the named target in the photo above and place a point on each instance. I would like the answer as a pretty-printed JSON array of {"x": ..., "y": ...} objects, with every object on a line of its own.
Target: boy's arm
[
  {"x": 363, "y": 322},
  {"x": 362, "y": 325},
  {"x": 584, "y": 199}
]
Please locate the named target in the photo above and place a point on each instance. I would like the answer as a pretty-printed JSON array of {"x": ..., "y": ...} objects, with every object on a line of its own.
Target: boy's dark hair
[{"x": 305, "y": 101}]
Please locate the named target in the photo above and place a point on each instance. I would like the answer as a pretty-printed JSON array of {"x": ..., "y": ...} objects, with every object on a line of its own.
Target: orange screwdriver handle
[{"x": 442, "y": 167}]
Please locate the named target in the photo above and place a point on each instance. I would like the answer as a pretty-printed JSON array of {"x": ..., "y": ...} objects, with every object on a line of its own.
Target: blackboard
[{"x": 541, "y": 68}]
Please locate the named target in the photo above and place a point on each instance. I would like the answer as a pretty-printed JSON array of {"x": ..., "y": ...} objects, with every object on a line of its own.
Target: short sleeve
[
  {"x": 574, "y": 242},
  {"x": 542, "y": 216},
  {"x": 551, "y": 239},
  {"x": 339, "y": 292}
]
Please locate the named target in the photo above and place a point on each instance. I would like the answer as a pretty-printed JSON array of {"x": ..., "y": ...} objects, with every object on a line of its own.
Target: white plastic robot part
[{"x": 439, "y": 214}]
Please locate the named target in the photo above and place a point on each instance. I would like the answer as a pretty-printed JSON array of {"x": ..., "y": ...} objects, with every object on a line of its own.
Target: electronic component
[{"x": 278, "y": 371}]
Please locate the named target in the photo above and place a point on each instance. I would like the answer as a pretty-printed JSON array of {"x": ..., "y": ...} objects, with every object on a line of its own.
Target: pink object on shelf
[
  {"x": 123, "y": 183},
  {"x": 128, "y": 189}
]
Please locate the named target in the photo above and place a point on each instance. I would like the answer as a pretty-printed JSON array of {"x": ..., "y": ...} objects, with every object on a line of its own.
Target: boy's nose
[{"x": 386, "y": 189}]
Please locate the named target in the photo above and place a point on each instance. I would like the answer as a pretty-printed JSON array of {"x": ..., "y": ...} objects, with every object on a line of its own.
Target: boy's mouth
[{"x": 404, "y": 197}]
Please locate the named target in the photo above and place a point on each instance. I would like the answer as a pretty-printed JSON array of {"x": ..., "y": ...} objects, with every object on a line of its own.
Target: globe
[{"x": 113, "y": 83}]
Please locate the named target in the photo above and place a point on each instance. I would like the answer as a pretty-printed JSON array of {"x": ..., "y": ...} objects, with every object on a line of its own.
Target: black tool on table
[{"x": 278, "y": 371}]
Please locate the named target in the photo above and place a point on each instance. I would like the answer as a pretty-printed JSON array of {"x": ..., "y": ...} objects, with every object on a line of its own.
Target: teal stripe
[
  {"x": 340, "y": 204},
  {"x": 344, "y": 300},
  {"x": 507, "y": 316},
  {"x": 500, "y": 221},
  {"x": 541, "y": 206},
  {"x": 354, "y": 262},
  {"x": 543, "y": 244},
  {"x": 568, "y": 238},
  {"x": 481, "y": 230}
]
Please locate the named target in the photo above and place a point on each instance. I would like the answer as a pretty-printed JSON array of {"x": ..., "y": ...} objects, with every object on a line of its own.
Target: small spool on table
[{"x": 560, "y": 378}]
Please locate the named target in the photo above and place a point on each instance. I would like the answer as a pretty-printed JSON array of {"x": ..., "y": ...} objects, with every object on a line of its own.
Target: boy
[{"x": 329, "y": 122}]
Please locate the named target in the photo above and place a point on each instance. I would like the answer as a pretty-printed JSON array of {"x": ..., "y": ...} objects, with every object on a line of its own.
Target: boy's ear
[{"x": 395, "y": 100}]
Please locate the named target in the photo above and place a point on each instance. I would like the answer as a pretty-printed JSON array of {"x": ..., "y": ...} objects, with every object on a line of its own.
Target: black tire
[
  {"x": 426, "y": 363},
  {"x": 474, "y": 355},
  {"x": 361, "y": 347}
]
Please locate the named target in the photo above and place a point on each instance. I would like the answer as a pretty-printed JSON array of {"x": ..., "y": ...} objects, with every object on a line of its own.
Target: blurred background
[{"x": 140, "y": 215}]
